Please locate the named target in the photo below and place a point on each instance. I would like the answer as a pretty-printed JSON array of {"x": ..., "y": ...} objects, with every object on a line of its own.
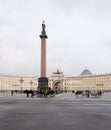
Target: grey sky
[{"x": 79, "y": 36}]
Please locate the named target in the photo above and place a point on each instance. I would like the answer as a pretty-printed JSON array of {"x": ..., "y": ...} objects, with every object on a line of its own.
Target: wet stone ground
[{"x": 63, "y": 112}]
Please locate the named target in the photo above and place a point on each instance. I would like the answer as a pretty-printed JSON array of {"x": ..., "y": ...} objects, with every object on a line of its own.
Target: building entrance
[{"x": 57, "y": 86}]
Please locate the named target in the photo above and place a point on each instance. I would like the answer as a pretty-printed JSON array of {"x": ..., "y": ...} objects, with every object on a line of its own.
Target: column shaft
[{"x": 43, "y": 57}]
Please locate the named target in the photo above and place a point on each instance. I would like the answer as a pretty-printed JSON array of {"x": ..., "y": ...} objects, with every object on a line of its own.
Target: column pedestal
[{"x": 43, "y": 82}]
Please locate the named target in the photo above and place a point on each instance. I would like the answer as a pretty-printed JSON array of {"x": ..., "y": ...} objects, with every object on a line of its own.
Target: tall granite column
[{"x": 43, "y": 80}]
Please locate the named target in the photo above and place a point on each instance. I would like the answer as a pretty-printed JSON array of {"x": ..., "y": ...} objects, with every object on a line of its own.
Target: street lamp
[
  {"x": 21, "y": 81},
  {"x": 31, "y": 82}
]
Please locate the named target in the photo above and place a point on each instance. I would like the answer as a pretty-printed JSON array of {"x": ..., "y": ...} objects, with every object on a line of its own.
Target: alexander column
[{"x": 43, "y": 80}]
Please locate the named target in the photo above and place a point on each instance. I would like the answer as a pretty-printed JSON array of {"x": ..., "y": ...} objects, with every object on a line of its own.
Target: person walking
[{"x": 12, "y": 92}]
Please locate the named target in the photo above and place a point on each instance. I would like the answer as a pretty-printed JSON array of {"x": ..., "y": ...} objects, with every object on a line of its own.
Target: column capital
[{"x": 43, "y": 36}]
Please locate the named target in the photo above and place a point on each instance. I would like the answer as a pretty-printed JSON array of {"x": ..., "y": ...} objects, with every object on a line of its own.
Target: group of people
[
  {"x": 26, "y": 91},
  {"x": 88, "y": 93}
]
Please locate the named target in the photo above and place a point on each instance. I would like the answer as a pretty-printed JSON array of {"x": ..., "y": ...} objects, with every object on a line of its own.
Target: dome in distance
[{"x": 86, "y": 72}]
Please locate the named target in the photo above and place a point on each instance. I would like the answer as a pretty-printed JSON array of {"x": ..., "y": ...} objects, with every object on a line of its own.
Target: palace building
[{"x": 58, "y": 81}]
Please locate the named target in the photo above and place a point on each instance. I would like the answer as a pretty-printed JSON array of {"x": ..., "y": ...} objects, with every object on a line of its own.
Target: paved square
[{"x": 63, "y": 112}]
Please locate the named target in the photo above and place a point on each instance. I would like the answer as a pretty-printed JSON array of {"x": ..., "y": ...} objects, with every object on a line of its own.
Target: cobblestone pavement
[{"x": 62, "y": 112}]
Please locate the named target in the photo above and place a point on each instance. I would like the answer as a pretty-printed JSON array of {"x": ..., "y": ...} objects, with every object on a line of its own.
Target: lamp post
[
  {"x": 31, "y": 82},
  {"x": 21, "y": 81}
]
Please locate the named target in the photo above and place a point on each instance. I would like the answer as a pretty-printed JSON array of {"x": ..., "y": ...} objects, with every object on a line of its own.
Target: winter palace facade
[{"x": 85, "y": 81}]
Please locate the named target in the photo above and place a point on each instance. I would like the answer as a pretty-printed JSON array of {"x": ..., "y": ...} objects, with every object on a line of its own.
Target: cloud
[{"x": 78, "y": 36}]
